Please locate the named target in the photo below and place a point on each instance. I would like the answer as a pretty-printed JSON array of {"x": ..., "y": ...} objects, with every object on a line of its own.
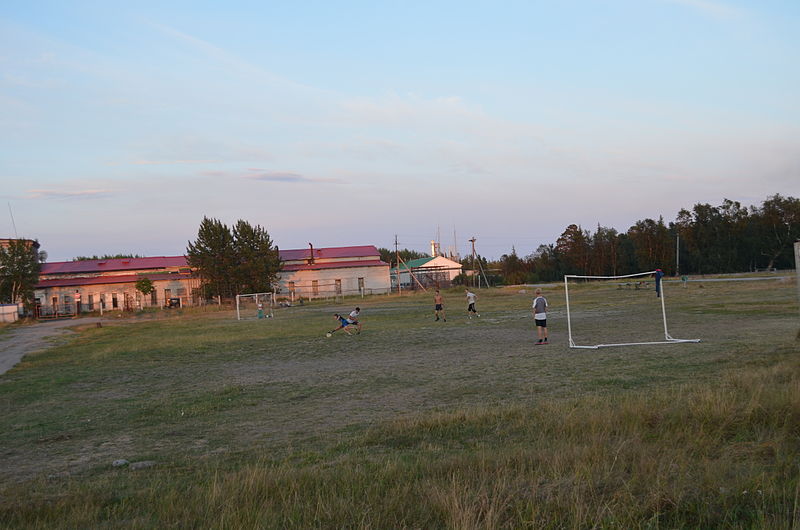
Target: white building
[
  {"x": 430, "y": 272},
  {"x": 323, "y": 272}
]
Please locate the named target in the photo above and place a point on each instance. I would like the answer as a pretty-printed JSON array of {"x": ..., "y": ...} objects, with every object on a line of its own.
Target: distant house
[
  {"x": 431, "y": 272},
  {"x": 68, "y": 287},
  {"x": 110, "y": 284},
  {"x": 322, "y": 272}
]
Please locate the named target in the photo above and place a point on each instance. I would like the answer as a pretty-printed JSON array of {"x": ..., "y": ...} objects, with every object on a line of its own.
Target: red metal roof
[
  {"x": 103, "y": 265},
  {"x": 164, "y": 262},
  {"x": 331, "y": 252},
  {"x": 100, "y": 280},
  {"x": 335, "y": 265}
]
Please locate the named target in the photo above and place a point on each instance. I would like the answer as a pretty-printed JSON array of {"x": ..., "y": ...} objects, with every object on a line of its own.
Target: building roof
[
  {"x": 413, "y": 263},
  {"x": 330, "y": 253},
  {"x": 426, "y": 263},
  {"x": 101, "y": 280},
  {"x": 334, "y": 265},
  {"x": 105, "y": 265},
  {"x": 164, "y": 262}
]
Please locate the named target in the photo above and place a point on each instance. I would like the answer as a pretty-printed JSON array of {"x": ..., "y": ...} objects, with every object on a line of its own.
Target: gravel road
[{"x": 28, "y": 339}]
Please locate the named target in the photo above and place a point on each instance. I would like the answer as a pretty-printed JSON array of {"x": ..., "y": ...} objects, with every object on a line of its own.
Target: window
[
  {"x": 361, "y": 285},
  {"x": 55, "y": 303},
  {"x": 91, "y": 302},
  {"x": 291, "y": 287},
  {"x": 114, "y": 301},
  {"x": 338, "y": 286},
  {"x": 102, "y": 301},
  {"x": 181, "y": 291},
  {"x": 154, "y": 297},
  {"x": 315, "y": 287}
]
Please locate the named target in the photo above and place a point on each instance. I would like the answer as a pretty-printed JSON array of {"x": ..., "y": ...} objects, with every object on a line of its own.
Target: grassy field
[{"x": 416, "y": 423}]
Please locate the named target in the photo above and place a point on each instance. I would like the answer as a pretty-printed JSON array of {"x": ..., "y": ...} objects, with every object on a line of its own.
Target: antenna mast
[{"x": 16, "y": 236}]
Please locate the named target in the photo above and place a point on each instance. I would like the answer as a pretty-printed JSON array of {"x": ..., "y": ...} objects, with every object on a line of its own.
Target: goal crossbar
[{"x": 668, "y": 339}]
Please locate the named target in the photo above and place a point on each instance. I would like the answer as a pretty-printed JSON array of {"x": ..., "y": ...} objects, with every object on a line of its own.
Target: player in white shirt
[
  {"x": 353, "y": 318},
  {"x": 471, "y": 298},
  {"x": 540, "y": 317}
]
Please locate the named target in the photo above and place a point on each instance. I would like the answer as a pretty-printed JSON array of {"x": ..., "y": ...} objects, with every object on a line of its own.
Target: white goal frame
[
  {"x": 267, "y": 299},
  {"x": 668, "y": 339}
]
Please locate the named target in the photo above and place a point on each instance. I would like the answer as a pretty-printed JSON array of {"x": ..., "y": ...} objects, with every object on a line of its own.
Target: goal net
[
  {"x": 254, "y": 306},
  {"x": 628, "y": 310}
]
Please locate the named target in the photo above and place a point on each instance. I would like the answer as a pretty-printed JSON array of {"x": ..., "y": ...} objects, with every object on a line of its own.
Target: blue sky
[{"x": 343, "y": 123}]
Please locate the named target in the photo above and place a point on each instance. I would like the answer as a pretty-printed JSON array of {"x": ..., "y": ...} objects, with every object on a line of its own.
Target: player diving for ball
[{"x": 345, "y": 323}]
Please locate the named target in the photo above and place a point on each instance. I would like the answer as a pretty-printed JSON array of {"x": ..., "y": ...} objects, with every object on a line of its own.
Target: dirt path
[{"x": 28, "y": 339}]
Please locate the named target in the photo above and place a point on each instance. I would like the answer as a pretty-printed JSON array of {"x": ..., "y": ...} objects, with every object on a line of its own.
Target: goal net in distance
[
  {"x": 605, "y": 311},
  {"x": 254, "y": 306}
]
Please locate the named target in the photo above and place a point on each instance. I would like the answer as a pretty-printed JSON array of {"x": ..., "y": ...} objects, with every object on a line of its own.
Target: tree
[
  {"x": 144, "y": 286},
  {"x": 778, "y": 225},
  {"x": 20, "y": 264},
  {"x": 406, "y": 255},
  {"x": 257, "y": 261},
  {"x": 106, "y": 256},
  {"x": 243, "y": 260},
  {"x": 605, "y": 252},
  {"x": 513, "y": 269},
  {"x": 573, "y": 247},
  {"x": 545, "y": 264},
  {"x": 652, "y": 244},
  {"x": 213, "y": 256}
]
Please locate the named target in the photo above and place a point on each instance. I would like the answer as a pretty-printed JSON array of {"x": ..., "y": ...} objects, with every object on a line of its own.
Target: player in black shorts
[{"x": 439, "y": 306}]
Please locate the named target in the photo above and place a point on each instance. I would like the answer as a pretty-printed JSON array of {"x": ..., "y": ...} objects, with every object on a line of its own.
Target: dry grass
[{"x": 411, "y": 425}]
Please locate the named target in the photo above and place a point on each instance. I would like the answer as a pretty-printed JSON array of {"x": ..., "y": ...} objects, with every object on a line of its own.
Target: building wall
[
  {"x": 9, "y": 312},
  {"x": 127, "y": 297},
  {"x": 375, "y": 281}
]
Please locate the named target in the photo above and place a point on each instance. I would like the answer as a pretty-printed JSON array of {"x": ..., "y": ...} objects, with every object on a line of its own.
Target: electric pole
[
  {"x": 397, "y": 261},
  {"x": 473, "y": 259}
]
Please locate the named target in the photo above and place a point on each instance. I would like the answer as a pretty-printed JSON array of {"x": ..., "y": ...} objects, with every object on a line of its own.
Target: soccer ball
[{"x": 328, "y": 334}]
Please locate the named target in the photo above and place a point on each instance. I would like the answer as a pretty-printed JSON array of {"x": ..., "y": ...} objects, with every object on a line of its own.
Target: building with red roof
[
  {"x": 110, "y": 284},
  {"x": 332, "y": 271}
]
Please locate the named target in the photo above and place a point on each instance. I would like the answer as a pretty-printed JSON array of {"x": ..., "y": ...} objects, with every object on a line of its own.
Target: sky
[{"x": 123, "y": 124}]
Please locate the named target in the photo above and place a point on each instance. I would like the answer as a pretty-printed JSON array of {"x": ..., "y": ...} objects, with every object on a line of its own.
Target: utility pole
[
  {"x": 797, "y": 274},
  {"x": 397, "y": 261},
  {"x": 677, "y": 254},
  {"x": 473, "y": 259}
]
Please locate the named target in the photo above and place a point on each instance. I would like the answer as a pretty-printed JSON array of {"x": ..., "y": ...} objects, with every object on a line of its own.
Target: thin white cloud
[
  {"x": 166, "y": 162},
  {"x": 285, "y": 177},
  {"x": 62, "y": 194},
  {"x": 712, "y": 8},
  {"x": 221, "y": 56}
]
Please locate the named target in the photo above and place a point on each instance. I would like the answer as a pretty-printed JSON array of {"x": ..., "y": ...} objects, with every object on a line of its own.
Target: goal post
[
  {"x": 631, "y": 281},
  {"x": 254, "y": 306}
]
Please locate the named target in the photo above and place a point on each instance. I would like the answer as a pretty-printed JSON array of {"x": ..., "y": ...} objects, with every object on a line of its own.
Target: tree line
[{"x": 703, "y": 240}]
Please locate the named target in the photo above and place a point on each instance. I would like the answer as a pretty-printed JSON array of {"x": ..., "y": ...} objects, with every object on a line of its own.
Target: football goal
[
  {"x": 254, "y": 306},
  {"x": 605, "y": 311}
]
